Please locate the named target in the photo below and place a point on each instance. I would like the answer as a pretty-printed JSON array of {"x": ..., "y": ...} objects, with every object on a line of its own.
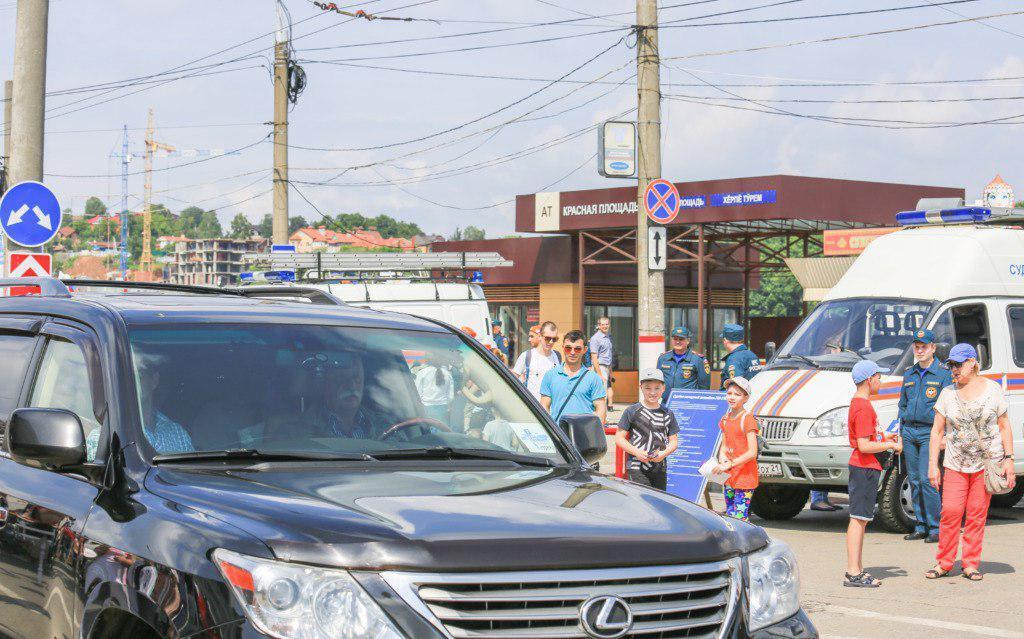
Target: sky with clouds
[{"x": 445, "y": 129}]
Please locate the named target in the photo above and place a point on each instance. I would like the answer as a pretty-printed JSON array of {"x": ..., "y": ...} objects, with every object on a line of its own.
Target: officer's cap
[
  {"x": 924, "y": 335},
  {"x": 681, "y": 331},
  {"x": 732, "y": 332},
  {"x": 495, "y": 322}
]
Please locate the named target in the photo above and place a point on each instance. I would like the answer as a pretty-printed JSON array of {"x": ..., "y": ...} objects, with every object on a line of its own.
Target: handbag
[{"x": 996, "y": 483}]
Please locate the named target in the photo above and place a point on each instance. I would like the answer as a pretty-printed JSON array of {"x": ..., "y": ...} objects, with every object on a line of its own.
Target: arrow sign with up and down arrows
[{"x": 657, "y": 240}]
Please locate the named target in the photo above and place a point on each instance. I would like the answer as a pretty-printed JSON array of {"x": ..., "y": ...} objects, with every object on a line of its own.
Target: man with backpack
[
  {"x": 532, "y": 365},
  {"x": 572, "y": 388}
]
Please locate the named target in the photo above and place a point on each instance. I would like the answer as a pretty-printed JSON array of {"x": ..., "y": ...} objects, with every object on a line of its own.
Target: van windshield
[
  {"x": 323, "y": 389},
  {"x": 839, "y": 333}
]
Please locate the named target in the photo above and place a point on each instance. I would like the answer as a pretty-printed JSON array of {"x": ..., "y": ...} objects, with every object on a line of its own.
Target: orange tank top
[{"x": 734, "y": 431}]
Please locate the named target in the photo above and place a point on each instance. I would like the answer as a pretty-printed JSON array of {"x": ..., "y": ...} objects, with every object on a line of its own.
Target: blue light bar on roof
[
  {"x": 960, "y": 215},
  {"x": 268, "y": 276}
]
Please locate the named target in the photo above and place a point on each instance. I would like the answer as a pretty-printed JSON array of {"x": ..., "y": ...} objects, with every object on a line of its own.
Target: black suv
[{"x": 181, "y": 461}]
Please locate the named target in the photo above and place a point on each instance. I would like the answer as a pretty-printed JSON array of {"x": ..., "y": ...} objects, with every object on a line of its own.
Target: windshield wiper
[
  {"x": 253, "y": 454},
  {"x": 446, "y": 452},
  {"x": 802, "y": 358}
]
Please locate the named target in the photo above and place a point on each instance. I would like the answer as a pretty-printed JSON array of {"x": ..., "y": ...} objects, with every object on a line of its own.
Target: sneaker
[{"x": 824, "y": 506}]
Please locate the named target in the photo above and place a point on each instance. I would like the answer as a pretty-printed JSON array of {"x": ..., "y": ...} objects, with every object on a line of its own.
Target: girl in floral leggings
[{"x": 738, "y": 454}]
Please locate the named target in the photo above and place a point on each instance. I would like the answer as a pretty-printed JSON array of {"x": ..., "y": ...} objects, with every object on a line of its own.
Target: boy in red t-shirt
[{"x": 866, "y": 440}]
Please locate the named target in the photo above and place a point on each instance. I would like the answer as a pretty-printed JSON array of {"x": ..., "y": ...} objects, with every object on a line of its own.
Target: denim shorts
[{"x": 863, "y": 488}]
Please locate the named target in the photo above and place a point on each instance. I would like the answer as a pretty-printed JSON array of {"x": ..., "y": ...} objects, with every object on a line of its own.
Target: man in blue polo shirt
[
  {"x": 681, "y": 367},
  {"x": 922, "y": 384},
  {"x": 572, "y": 388}
]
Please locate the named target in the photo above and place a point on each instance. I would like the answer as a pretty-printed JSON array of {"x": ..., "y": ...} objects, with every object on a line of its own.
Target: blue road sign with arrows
[{"x": 30, "y": 214}]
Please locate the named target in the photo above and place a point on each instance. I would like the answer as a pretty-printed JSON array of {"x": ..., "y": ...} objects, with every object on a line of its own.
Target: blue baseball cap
[
  {"x": 924, "y": 335},
  {"x": 681, "y": 331},
  {"x": 961, "y": 353},
  {"x": 495, "y": 322},
  {"x": 864, "y": 369},
  {"x": 732, "y": 332}
]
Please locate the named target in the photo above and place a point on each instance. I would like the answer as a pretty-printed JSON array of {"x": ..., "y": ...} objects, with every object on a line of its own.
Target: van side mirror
[
  {"x": 52, "y": 438},
  {"x": 586, "y": 433},
  {"x": 769, "y": 350}
]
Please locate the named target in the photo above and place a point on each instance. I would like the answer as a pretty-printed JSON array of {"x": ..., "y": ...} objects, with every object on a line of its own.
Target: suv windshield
[
  {"x": 840, "y": 332},
  {"x": 322, "y": 389}
]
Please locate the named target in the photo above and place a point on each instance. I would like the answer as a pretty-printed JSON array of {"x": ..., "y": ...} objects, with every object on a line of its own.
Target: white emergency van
[{"x": 958, "y": 271}]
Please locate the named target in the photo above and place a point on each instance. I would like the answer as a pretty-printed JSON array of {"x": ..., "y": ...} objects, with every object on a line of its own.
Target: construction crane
[
  {"x": 159, "y": 149},
  {"x": 152, "y": 146}
]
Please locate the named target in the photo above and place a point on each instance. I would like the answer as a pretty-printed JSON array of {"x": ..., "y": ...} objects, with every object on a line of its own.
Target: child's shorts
[
  {"x": 737, "y": 503},
  {"x": 863, "y": 492}
]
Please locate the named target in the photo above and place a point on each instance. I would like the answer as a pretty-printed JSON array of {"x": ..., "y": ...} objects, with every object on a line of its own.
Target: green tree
[
  {"x": 295, "y": 223},
  {"x": 457, "y": 235},
  {"x": 95, "y": 206},
  {"x": 265, "y": 227},
  {"x": 209, "y": 226},
  {"x": 779, "y": 294},
  {"x": 241, "y": 227},
  {"x": 474, "y": 233},
  {"x": 190, "y": 219}
]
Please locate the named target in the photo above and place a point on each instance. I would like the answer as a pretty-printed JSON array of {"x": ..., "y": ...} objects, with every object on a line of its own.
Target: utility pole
[
  {"x": 650, "y": 284},
  {"x": 28, "y": 99},
  {"x": 282, "y": 49},
  {"x": 8, "y": 99}
]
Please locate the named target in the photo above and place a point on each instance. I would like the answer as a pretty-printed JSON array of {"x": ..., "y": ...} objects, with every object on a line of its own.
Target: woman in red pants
[{"x": 971, "y": 415}]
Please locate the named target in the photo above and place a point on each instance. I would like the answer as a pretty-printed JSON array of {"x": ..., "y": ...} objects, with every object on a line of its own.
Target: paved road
[{"x": 907, "y": 605}]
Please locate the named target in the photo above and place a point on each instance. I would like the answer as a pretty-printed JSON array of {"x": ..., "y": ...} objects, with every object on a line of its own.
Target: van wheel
[
  {"x": 1010, "y": 499},
  {"x": 774, "y": 502},
  {"x": 895, "y": 504}
]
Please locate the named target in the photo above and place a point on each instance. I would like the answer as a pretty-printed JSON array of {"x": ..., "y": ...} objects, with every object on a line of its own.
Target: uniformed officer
[
  {"x": 740, "y": 361},
  {"x": 500, "y": 339},
  {"x": 682, "y": 367},
  {"x": 922, "y": 384}
]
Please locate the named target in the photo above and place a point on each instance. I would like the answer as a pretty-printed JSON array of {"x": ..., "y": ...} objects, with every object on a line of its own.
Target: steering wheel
[{"x": 429, "y": 421}]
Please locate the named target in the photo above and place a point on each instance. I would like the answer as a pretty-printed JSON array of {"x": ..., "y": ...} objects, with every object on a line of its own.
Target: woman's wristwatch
[{"x": 1008, "y": 456}]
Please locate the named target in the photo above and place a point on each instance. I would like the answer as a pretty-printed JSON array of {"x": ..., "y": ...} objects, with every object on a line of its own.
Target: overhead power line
[
  {"x": 851, "y": 36},
  {"x": 671, "y": 24}
]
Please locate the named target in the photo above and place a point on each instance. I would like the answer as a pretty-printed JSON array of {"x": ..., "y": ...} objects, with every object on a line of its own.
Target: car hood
[{"x": 431, "y": 517}]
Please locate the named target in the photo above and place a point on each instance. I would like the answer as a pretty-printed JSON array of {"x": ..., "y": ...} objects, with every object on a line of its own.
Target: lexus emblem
[{"x": 606, "y": 617}]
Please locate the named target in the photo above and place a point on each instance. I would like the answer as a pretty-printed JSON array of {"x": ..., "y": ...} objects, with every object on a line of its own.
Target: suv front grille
[
  {"x": 777, "y": 430},
  {"x": 667, "y": 602}
]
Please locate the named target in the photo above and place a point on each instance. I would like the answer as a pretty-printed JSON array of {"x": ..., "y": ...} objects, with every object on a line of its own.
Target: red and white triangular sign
[{"x": 28, "y": 265}]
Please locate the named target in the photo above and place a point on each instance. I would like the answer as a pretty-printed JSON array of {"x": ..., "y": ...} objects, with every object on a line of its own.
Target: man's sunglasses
[
  {"x": 574, "y": 349},
  {"x": 953, "y": 364},
  {"x": 551, "y": 340}
]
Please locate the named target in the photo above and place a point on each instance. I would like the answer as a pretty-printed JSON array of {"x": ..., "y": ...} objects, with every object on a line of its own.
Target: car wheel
[
  {"x": 776, "y": 502},
  {"x": 1010, "y": 499},
  {"x": 895, "y": 504}
]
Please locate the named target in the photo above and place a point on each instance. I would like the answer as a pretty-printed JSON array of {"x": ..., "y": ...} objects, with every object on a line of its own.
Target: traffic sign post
[
  {"x": 30, "y": 214},
  {"x": 657, "y": 241},
  {"x": 661, "y": 201},
  {"x": 28, "y": 265}
]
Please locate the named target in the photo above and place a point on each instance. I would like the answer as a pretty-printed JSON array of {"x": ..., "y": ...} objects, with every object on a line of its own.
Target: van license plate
[{"x": 769, "y": 470}]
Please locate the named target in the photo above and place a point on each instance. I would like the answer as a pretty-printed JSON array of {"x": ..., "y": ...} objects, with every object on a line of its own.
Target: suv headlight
[
  {"x": 292, "y": 601},
  {"x": 831, "y": 424},
  {"x": 773, "y": 589}
]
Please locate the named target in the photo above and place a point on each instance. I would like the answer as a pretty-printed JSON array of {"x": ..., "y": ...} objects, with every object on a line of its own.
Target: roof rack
[
  {"x": 149, "y": 286},
  {"x": 48, "y": 286},
  {"x": 379, "y": 262},
  {"x": 313, "y": 295}
]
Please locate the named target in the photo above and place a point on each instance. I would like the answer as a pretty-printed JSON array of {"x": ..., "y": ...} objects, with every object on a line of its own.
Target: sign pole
[
  {"x": 5, "y": 246},
  {"x": 650, "y": 283}
]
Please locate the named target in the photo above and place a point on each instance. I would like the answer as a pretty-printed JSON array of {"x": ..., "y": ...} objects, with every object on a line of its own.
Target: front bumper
[
  {"x": 811, "y": 466},
  {"x": 798, "y": 626}
]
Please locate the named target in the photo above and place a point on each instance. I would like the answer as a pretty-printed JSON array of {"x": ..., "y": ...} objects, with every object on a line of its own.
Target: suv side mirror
[
  {"x": 49, "y": 437},
  {"x": 769, "y": 350},
  {"x": 587, "y": 434}
]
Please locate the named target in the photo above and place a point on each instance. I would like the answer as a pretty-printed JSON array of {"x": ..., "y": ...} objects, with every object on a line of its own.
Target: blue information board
[
  {"x": 698, "y": 413},
  {"x": 743, "y": 198}
]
